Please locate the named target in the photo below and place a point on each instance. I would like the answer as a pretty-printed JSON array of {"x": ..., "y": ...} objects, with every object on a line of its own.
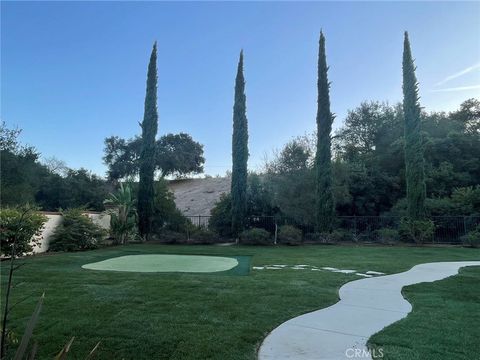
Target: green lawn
[
  {"x": 444, "y": 323},
  {"x": 222, "y": 316}
]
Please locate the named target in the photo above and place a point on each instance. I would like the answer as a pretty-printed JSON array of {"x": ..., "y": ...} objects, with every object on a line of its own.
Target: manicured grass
[
  {"x": 444, "y": 323},
  {"x": 199, "y": 316}
]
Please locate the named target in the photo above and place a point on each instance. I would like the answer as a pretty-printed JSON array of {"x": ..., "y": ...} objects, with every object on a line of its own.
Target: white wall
[
  {"x": 100, "y": 219},
  {"x": 55, "y": 219}
]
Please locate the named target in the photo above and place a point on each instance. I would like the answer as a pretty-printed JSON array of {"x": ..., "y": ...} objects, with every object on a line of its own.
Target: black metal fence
[
  {"x": 201, "y": 221},
  {"x": 448, "y": 229}
]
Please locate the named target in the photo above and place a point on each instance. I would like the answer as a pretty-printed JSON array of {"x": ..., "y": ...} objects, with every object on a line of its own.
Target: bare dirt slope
[{"x": 198, "y": 196}]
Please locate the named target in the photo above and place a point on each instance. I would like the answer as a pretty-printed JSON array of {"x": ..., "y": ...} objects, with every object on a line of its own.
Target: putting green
[{"x": 165, "y": 263}]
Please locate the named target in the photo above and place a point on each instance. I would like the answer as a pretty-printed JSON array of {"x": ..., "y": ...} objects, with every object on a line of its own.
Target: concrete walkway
[{"x": 341, "y": 331}]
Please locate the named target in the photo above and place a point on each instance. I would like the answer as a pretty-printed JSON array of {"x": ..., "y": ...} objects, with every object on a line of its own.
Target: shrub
[
  {"x": 22, "y": 225},
  {"x": 202, "y": 236},
  {"x": 318, "y": 237},
  {"x": 76, "y": 232},
  {"x": 166, "y": 214},
  {"x": 314, "y": 237},
  {"x": 255, "y": 236},
  {"x": 170, "y": 237},
  {"x": 338, "y": 235},
  {"x": 419, "y": 231},
  {"x": 289, "y": 235},
  {"x": 388, "y": 235},
  {"x": 221, "y": 216},
  {"x": 472, "y": 238},
  {"x": 341, "y": 235},
  {"x": 123, "y": 219}
]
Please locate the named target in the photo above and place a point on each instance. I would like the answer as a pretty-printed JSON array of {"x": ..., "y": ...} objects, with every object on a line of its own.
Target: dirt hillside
[{"x": 198, "y": 196}]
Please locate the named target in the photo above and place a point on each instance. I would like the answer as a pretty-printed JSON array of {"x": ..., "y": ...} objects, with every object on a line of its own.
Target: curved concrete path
[{"x": 366, "y": 306}]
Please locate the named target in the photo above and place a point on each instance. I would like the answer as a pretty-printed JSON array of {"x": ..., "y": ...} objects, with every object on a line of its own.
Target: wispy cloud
[
  {"x": 458, "y": 74},
  {"x": 459, "y": 88}
]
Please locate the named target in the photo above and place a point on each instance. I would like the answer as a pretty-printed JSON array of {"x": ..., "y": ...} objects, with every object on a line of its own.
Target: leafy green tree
[
  {"x": 324, "y": 181},
  {"x": 239, "y": 153},
  {"x": 25, "y": 179},
  {"x": 287, "y": 176},
  {"x": 260, "y": 202},
  {"x": 77, "y": 189},
  {"x": 369, "y": 130},
  {"x": 21, "y": 226},
  {"x": 146, "y": 191},
  {"x": 291, "y": 198},
  {"x": 22, "y": 173},
  {"x": 370, "y": 179},
  {"x": 296, "y": 155},
  {"x": 179, "y": 155},
  {"x": 414, "y": 161},
  {"x": 122, "y": 157},
  {"x": 369, "y": 165},
  {"x": 176, "y": 155},
  {"x": 452, "y": 150},
  {"x": 9, "y": 138},
  {"x": 469, "y": 116}
]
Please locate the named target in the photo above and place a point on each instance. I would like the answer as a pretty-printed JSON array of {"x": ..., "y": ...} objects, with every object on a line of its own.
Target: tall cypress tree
[
  {"x": 414, "y": 162},
  {"x": 146, "y": 191},
  {"x": 323, "y": 160},
  {"x": 239, "y": 153}
]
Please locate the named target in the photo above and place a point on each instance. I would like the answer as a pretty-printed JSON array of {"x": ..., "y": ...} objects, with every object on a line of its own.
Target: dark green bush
[
  {"x": 336, "y": 236},
  {"x": 23, "y": 223},
  {"x": 166, "y": 214},
  {"x": 221, "y": 216},
  {"x": 256, "y": 236},
  {"x": 341, "y": 235},
  {"x": 202, "y": 236},
  {"x": 289, "y": 235},
  {"x": 472, "y": 238},
  {"x": 388, "y": 235},
  {"x": 259, "y": 203},
  {"x": 418, "y": 231},
  {"x": 167, "y": 236},
  {"x": 76, "y": 232},
  {"x": 313, "y": 237}
]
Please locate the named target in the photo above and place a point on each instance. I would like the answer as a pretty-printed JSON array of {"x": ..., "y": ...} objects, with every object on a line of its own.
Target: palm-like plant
[{"x": 123, "y": 213}]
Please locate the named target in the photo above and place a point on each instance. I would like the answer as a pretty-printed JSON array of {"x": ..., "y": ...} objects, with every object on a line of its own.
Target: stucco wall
[
  {"x": 55, "y": 219},
  {"x": 100, "y": 219}
]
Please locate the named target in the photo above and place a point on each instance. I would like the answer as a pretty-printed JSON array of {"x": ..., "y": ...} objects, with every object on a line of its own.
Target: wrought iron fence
[
  {"x": 448, "y": 229},
  {"x": 201, "y": 221}
]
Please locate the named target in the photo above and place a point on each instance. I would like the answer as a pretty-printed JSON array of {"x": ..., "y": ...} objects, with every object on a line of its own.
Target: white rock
[
  {"x": 345, "y": 271},
  {"x": 364, "y": 275}
]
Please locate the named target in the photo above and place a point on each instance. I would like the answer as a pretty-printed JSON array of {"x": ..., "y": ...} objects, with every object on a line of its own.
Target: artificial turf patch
[{"x": 153, "y": 263}]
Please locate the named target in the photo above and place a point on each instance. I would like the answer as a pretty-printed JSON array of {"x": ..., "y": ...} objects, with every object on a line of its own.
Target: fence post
[
  {"x": 275, "y": 240},
  {"x": 464, "y": 225},
  {"x": 355, "y": 226}
]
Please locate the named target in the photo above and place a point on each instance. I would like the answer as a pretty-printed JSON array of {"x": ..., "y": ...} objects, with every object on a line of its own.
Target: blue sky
[{"x": 74, "y": 73}]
